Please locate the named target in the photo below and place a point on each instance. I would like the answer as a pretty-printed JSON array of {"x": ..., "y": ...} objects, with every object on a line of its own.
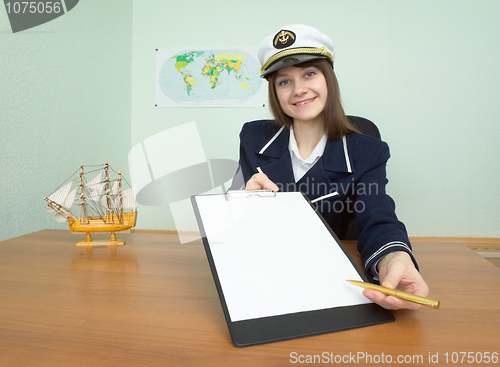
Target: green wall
[
  {"x": 82, "y": 88},
  {"x": 426, "y": 72},
  {"x": 65, "y": 97}
]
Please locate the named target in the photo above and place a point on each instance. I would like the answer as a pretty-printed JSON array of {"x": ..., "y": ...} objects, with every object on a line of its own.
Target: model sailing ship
[{"x": 102, "y": 202}]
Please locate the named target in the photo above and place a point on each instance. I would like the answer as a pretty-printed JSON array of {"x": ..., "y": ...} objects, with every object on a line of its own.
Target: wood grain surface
[{"x": 154, "y": 303}]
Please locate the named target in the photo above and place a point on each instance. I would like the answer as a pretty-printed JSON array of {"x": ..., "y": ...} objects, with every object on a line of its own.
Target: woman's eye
[
  {"x": 310, "y": 73},
  {"x": 283, "y": 82}
]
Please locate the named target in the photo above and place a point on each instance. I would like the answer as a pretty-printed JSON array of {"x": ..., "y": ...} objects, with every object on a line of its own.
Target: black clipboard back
[{"x": 268, "y": 329}]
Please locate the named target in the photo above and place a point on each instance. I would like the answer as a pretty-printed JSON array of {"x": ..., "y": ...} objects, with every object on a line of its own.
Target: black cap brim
[{"x": 290, "y": 61}]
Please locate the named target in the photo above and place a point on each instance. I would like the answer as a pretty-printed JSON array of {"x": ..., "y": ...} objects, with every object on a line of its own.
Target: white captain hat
[{"x": 291, "y": 45}]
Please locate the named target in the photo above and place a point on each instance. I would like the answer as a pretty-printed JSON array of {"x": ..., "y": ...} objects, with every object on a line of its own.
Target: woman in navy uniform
[{"x": 312, "y": 147}]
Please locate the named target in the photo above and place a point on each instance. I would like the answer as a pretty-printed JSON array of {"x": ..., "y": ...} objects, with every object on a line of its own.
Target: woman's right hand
[{"x": 260, "y": 181}]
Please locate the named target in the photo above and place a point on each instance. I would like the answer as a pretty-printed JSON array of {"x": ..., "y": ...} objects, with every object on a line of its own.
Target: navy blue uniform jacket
[{"x": 353, "y": 169}]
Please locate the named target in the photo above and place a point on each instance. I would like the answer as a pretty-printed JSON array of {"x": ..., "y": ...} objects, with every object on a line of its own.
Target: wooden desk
[{"x": 155, "y": 304}]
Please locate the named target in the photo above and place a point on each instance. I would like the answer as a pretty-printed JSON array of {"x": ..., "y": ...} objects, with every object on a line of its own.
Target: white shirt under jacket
[{"x": 300, "y": 165}]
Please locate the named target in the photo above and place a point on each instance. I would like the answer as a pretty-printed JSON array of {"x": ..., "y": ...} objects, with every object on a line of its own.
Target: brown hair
[{"x": 336, "y": 123}]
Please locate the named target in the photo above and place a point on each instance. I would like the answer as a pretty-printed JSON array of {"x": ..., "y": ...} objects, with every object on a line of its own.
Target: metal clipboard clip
[{"x": 243, "y": 194}]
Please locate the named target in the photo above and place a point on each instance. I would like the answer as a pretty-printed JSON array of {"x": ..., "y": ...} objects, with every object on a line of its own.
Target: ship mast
[
  {"x": 108, "y": 188},
  {"x": 83, "y": 192},
  {"x": 121, "y": 195}
]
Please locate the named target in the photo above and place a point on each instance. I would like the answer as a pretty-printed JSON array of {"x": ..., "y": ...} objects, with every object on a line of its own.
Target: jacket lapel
[
  {"x": 279, "y": 170},
  {"x": 336, "y": 157}
]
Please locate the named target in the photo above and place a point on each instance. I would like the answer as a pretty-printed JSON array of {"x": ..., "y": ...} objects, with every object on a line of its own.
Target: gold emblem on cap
[{"x": 284, "y": 39}]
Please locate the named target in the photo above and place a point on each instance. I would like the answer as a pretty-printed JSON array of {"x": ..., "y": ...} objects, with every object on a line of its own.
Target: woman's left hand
[{"x": 396, "y": 270}]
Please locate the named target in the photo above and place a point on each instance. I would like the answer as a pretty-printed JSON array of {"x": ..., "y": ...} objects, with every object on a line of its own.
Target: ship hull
[{"x": 96, "y": 224}]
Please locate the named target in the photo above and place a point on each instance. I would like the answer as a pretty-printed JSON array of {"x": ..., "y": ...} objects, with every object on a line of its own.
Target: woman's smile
[{"x": 304, "y": 102}]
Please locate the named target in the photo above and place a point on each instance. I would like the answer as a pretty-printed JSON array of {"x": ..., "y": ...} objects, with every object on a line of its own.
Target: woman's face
[{"x": 302, "y": 93}]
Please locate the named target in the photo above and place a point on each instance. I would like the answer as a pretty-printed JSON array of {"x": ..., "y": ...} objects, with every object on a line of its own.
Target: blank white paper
[{"x": 275, "y": 256}]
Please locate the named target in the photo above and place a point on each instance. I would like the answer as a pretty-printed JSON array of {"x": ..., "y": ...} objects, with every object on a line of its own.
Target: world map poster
[{"x": 209, "y": 78}]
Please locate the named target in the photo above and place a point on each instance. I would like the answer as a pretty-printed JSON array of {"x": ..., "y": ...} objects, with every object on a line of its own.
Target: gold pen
[{"x": 398, "y": 294}]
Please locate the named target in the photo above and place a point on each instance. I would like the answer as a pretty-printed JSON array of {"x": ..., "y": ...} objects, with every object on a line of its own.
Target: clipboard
[{"x": 279, "y": 269}]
